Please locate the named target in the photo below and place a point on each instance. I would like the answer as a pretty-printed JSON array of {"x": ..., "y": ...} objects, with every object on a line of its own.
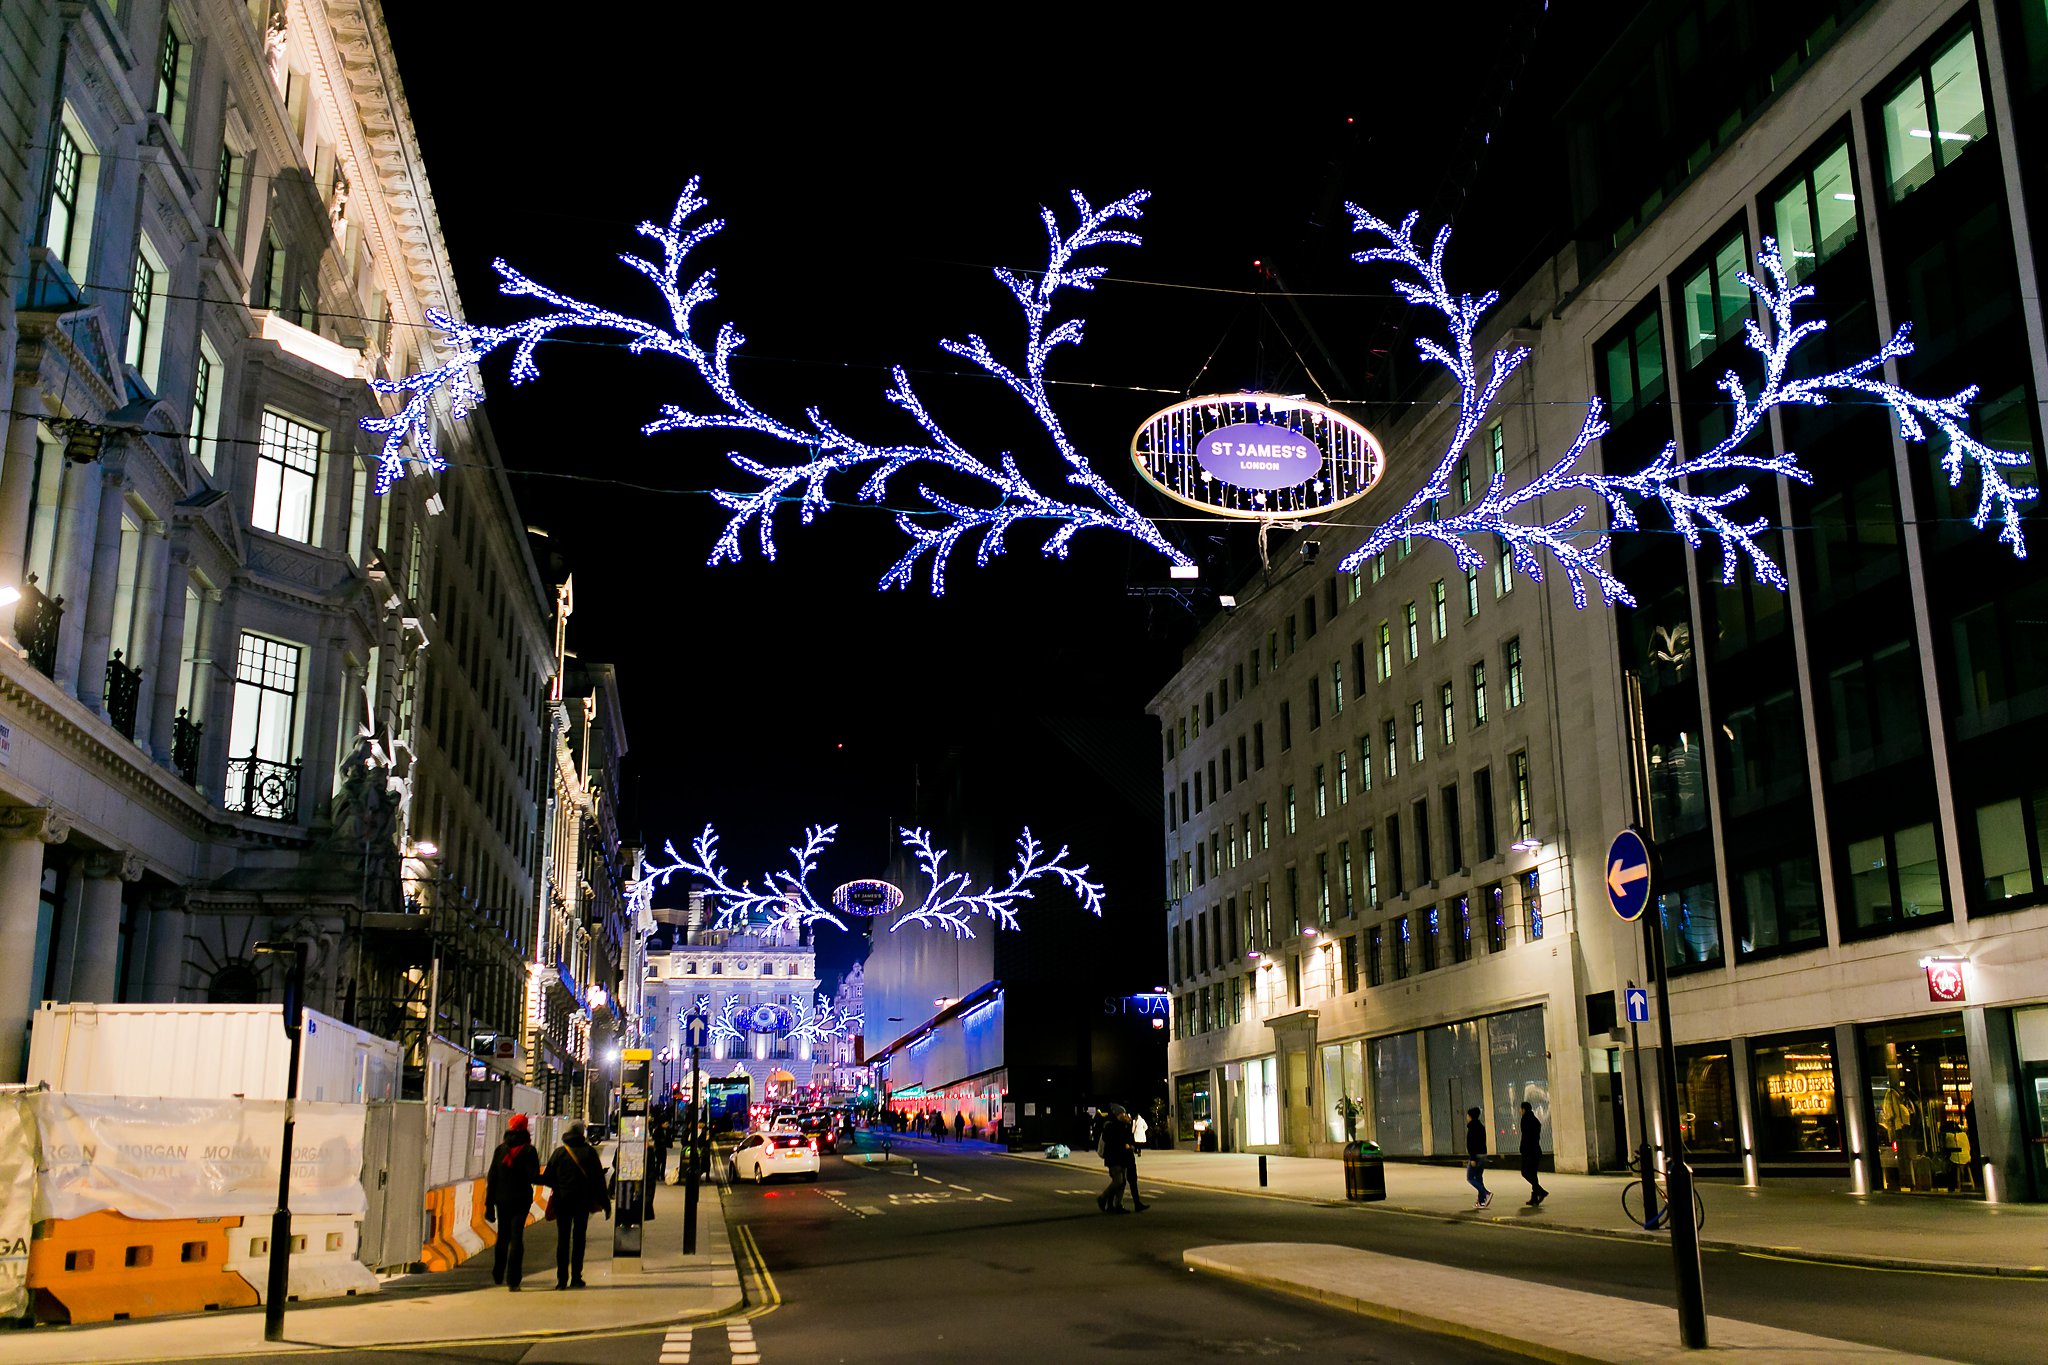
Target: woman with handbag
[{"x": 575, "y": 1179}]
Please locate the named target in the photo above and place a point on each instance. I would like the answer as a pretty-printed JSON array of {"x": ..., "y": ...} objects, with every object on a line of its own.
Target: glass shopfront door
[{"x": 1918, "y": 1076}]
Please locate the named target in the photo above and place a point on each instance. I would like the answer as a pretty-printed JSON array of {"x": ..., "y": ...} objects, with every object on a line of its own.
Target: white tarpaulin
[
  {"x": 17, "y": 1189},
  {"x": 171, "y": 1158}
]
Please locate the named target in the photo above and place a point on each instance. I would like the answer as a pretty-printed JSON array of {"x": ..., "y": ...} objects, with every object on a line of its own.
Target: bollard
[{"x": 1262, "y": 1170}]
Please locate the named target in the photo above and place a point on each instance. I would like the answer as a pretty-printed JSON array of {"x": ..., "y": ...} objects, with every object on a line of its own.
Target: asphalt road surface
[{"x": 961, "y": 1257}]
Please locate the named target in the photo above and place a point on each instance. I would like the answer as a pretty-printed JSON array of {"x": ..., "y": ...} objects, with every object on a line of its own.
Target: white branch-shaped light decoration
[
  {"x": 727, "y": 1025},
  {"x": 788, "y": 898},
  {"x": 819, "y": 1022},
  {"x": 1662, "y": 480},
  {"x": 953, "y": 903},
  {"x": 981, "y": 500}
]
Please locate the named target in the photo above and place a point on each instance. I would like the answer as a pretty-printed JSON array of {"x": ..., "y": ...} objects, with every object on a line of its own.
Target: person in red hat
[{"x": 508, "y": 1199}]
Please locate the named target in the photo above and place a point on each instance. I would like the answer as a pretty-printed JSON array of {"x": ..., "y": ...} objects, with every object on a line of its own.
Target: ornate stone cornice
[
  {"x": 34, "y": 822},
  {"x": 63, "y": 723}
]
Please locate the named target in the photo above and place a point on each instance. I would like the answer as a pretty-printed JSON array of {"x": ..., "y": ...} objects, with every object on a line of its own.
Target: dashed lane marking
[
  {"x": 962, "y": 1188},
  {"x": 834, "y": 1196},
  {"x": 932, "y": 1179}
]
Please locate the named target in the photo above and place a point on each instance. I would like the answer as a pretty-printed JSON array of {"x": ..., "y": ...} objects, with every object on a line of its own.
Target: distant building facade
[{"x": 757, "y": 984}]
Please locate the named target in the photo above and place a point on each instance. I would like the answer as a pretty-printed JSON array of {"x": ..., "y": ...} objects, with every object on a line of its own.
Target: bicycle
[{"x": 1632, "y": 1202}]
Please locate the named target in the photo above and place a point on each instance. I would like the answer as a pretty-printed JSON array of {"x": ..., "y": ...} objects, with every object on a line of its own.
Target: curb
[
  {"x": 1858, "y": 1260},
  {"x": 1367, "y": 1308}
]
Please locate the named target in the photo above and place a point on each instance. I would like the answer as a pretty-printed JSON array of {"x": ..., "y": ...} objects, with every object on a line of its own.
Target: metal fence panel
[{"x": 395, "y": 1182}]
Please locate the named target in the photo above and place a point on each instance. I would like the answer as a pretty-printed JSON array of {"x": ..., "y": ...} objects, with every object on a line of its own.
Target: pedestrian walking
[
  {"x": 508, "y": 1200},
  {"x": 1114, "y": 1147},
  {"x": 1475, "y": 1154},
  {"x": 1532, "y": 1153},
  {"x": 960, "y": 1127},
  {"x": 575, "y": 1178},
  {"x": 938, "y": 1127},
  {"x": 1137, "y": 1129}
]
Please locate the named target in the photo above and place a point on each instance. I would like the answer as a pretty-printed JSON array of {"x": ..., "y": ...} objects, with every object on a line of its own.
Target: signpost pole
[
  {"x": 278, "y": 1288},
  {"x": 696, "y": 1135},
  {"x": 1643, "y": 1154}
]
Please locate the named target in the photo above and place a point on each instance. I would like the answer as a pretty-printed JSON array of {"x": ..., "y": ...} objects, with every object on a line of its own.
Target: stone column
[
  {"x": 213, "y": 689},
  {"x": 24, "y": 830},
  {"x": 17, "y": 490},
  {"x": 151, "y": 612},
  {"x": 168, "y": 923},
  {"x": 94, "y": 969},
  {"x": 167, "y": 658},
  {"x": 78, "y": 515},
  {"x": 102, "y": 589}
]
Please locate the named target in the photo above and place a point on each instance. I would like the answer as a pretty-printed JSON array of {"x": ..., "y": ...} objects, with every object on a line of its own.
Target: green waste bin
[{"x": 1365, "y": 1173}]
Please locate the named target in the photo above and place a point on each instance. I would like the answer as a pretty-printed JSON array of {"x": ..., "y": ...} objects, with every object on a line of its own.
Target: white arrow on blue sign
[
  {"x": 1638, "y": 1005},
  {"x": 1628, "y": 875},
  {"x": 696, "y": 1031}
]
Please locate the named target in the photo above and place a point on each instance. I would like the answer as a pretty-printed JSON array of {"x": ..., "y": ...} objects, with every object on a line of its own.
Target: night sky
[{"x": 870, "y": 176}]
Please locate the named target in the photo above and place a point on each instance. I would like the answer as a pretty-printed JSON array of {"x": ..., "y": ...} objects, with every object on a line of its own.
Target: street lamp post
[{"x": 279, "y": 1285}]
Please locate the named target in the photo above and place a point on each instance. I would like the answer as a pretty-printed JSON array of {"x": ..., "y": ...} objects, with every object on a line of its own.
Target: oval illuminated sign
[
  {"x": 1259, "y": 456},
  {"x": 867, "y": 897},
  {"x": 1254, "y": 455}
]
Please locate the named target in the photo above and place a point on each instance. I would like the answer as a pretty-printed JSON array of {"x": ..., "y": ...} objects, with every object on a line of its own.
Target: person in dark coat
[
  {"x": 1532, "y": 1153},
  {"x": 508, "y": 1199},
  {"x": 1114, "y": 1146},
  {"x": 1475, "y": 1156},
  {"x": 575, "y": 1179}
]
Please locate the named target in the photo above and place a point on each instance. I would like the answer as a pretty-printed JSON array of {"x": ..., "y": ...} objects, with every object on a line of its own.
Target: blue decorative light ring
[
  {"x": 766, "y": 1018},
  {"x": 867, "y": 897}
]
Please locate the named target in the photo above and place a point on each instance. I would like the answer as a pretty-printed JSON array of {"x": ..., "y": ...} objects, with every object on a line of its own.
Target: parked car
[{"x": 764, "y": 1156}]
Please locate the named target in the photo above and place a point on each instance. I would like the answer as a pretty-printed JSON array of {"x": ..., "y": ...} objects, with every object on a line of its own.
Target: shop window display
[
  {"x": 1520, "y": 1071},
  {"x": 1918, "y": 1073},
  {"x": 1797, "y": 1110},
  {"x": 1397, "y": 1094},
  {"x": 1706, "y": 1097}
]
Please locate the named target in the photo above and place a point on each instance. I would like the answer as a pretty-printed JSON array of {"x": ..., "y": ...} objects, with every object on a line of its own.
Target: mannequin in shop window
[{"x": 1956, "y": 1144}]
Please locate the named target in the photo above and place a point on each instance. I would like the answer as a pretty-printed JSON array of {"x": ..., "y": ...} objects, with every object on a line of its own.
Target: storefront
[
  {"x": 1796, "y": 1104},
  {"x": 1922, "y": 1109},
  {"x": 1415, "y": 1087},
  {"x": 1707, "y": 1108}
]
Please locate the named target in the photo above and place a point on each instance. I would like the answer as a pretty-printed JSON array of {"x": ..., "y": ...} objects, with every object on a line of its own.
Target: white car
[{"x": 766, "y": 1155}]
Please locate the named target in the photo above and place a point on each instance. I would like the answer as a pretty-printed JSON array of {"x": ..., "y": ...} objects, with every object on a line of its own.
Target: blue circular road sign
[{"x": 1627, "y": 875}]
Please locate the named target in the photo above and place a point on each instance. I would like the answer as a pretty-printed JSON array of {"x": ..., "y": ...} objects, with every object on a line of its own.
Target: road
[{"x": 960, "y": 1256}]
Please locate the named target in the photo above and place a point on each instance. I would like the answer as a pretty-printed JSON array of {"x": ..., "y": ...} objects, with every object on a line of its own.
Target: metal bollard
[{"x": 1262, "y": 1170}]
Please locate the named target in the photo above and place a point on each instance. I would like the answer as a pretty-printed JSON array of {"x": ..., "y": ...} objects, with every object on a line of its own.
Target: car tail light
[{"x": 813, "y": 1144}]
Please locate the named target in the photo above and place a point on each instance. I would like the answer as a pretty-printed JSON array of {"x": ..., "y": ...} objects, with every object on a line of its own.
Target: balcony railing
[
  {"x": 260, "y": 787},
  {"x": 124, "y": 690},
  {"x": 37, "y": 621},
  {"x": 185, "y": 735}
]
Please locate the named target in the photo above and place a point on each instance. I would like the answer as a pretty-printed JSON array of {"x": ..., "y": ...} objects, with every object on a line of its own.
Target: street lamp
[{"x": 279, "y": 1287}]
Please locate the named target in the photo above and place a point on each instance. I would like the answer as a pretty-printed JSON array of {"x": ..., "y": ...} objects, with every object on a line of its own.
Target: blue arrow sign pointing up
[{"x": 1628, "y": 875}]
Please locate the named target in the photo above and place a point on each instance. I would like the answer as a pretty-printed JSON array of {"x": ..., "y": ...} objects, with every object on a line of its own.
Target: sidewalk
[
  {"x": 460, "y": 1305},
  {"x": 1813, "y": 1220}
]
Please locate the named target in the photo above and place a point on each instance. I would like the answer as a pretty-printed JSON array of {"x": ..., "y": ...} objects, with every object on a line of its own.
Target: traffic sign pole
[{"x": 694, "y": 1029}]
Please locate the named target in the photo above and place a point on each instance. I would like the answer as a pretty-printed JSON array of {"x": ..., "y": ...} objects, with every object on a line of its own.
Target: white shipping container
[{"x": 205, "y": 1052}]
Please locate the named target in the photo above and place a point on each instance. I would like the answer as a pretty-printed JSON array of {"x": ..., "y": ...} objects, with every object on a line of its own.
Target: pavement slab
[{"x": 1541, "y": 1322}]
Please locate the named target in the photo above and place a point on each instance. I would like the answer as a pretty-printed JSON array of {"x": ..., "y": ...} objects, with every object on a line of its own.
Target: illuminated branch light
[
  {"x": 787, "y": 901},
  {"x": 819, "y": 1022},
  {"x": 952, "y": 903},
  {"x": 937, "y": 526},
  {"x": 1693, "y": 515}
]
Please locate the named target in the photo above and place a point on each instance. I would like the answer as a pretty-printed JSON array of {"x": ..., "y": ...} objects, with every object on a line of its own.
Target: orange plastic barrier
[{"x": 106, "y": 1266}]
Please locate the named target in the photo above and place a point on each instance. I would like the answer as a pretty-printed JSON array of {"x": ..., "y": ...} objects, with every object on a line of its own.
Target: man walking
[
  {"x": 508, "y": 1199},
  {"x": 575, "y": 1177},
  {"x": 1114, "y": 1147},
  {"x": 1475, "y": 1156},
  {"x": 1532, "y": 1153}
]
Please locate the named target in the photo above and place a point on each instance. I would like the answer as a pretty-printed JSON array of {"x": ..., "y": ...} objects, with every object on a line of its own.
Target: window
[
  {"x": 1265, "y": 832},
  {"x": 1365, "y": 763},
  {"x": 1478, "y": 695},
  {"x": 1350, "y": 951},
  {"x": 1344, "y": 871},
  {"x": 268, "y": 288},
  {"x": 1461, "y": 929},
  {"x": 1223, "y": 696},
  {"x": 1532, "y": 903},
  {"x": 287, "y": 466},
  {"x": 1322, "y": 888},
  {"x": 1415, "y": 728},
  {"x": 1815, "y": 215},
  {"x": 1293, "y": 633},
  {"x": 1369, "y": 849},
  {"x": 1715, "y": 300},
  {"x": 1393, "y": 749},
  {"x": 1425, "y": 850},
  {"x": 68, "y": 233},
  {"x": 227, "y": 192},
  {"x": 1439, "y": 612},
  {"x": 1409, "y": 623},
  {"x": 1343, "y": 778},
  {"x": 1315, "y": 703},
  {"x": 1520, "y": 813},
  {"x": 2012, "y": 839},
  {"x": 1431, "y": 933},
  {"x": 1692, "y": 927},
  {"x": 1447, "y": 708},
  {"x": 1255, "y": 668},
  {"x": 1932, "y": 117},
  {"x": 1259, "y": 745},
  {"x": 1464, "y": 479},
  {"x": 1294, "y": 982},
  {"x": 172, "y": 80},
  {"x": 1337, "y": 687},
  {"x": 1294, "y": 897},
  {"x": 1895, "y": 881},
  {"x": 143, "y": 319},
  {"x": 1396, "y": 881},
  {"x": 1226, "y": 775},
  {"x": 1375, "y": 954},
  {"x": 1454, "y": 832},
  {"x": 1386, "y": 652},
  {"x": 1494, "y": 907},
  {"x": 1401, "y": 941},
  {"x": 1482, "y": 814},
  {"x": 1322, "y": 794},
  {"x": 1471, "y": 594},
  {"x": 1503, "y": 568},
  {"x": 1631, "y": 367},
  {"x": 1496, "y": 451},
  {"x": 1308, "y": 611},
  {"x": 204, "y": 416},
  {"x": 1242, "y": 770},
  {"x": 265, "y": 719},
  {"x": 1513, "y": 651},
  {"x": 1286, "y": 727},
  {"x": 1290, "y": 808}
]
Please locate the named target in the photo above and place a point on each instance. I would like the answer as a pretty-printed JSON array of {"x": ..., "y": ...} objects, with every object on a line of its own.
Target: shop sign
[
  {"x": 1808, "y": 1087},
  {"x": 1145, "y": 1002},
  {"x": 1945, "y": 980}
]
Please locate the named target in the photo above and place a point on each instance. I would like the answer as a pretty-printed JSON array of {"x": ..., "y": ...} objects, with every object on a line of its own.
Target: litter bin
[{"x": 1365, "y": 1174}]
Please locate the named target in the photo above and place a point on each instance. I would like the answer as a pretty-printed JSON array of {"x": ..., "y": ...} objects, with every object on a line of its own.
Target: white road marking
[
  {"x": 962, "y": 1188},
  {"x": 932, "y": 1179},
  {"x": 869, "y": 1209},
  {"x": 675, "y": 1347},
  {"x": 1077, "y": 1191},
  {"x": 739, "y": 1336}
]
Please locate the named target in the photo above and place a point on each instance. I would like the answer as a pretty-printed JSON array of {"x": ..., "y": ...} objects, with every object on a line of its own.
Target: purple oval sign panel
[{"x": 1254, "y": 455}]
